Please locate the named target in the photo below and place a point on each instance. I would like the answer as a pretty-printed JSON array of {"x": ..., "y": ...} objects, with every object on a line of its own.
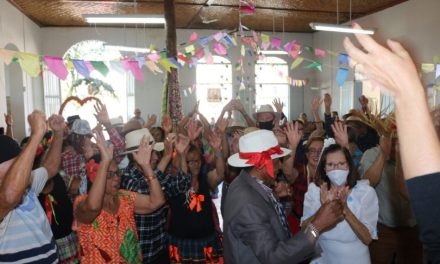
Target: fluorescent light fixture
[
  {"x": 339, "y": 28},
  {"x": 124, "y": 19},
  {"x": 125, "y": 48},
  {"x": 273, "y": 52}
]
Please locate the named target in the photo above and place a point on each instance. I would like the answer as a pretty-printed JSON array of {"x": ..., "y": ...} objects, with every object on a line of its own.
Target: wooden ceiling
[{"x": 194, "y": 14}]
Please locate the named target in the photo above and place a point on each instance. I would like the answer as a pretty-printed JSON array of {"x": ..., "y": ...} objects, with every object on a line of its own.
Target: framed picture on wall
[{"x": 214, "y": 95}]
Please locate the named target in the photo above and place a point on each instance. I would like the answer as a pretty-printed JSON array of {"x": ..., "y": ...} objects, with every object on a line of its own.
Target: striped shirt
[{"x": 25, "y": 234}]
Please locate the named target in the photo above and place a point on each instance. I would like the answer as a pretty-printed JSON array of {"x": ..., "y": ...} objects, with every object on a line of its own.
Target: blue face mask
[{"x": 338, "y": 177}]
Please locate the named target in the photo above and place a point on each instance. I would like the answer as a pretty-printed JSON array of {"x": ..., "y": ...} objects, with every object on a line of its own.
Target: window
[
  {"x": 116, "y": 89},
  {"x": 271, "y": 82},
  {"x": 346, "y": 95},
  {"x": 214, "y": 86}
]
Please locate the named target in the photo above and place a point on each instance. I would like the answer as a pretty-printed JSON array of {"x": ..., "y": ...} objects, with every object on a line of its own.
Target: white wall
[
  {"x": 149, "y": 92},
  {"x": 413, "y": 23},
  {"x": 19, "y": 31}
]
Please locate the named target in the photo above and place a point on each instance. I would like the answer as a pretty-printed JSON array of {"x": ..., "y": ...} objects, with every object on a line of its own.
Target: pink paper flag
[
  {"x": 193, "y": 37},
  {"x": 254, "y": 34},
  {"x": 154, "y": 57},
  {"x": 220, "y": 49},
  {"x": 276, "y": 42},
  {"x": 7, "y": 55},
  {"x": 135, "y": 70},
  {"x": 56, "y": 66},
  {"x": 209, "y": 59},
  {"x": 125, "y": 64},
  {"x": 89, "y": 66},
  {"x": 319, "y": 52},
  {"x": 200, "y": 53},
  {"x": 288, "y": 47},
  {"x": 218, "y": 36}
]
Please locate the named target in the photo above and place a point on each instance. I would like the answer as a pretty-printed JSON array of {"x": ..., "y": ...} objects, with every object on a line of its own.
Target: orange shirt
[{"x": 100, "y": 241}]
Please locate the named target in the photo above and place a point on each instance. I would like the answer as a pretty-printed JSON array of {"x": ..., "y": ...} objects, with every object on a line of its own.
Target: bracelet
[{"x": 313, "y": 230}]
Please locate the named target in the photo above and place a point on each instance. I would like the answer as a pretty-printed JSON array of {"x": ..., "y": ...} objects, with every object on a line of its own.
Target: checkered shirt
[{"x": 152, "y": 237}]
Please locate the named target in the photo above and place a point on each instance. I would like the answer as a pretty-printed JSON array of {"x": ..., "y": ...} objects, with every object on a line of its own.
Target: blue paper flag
[
  {"x": 341, "y": 76},
  {"x": 81, "y": 67},
  {"x": 343, "y": 59},
  {"x": 437, "y": 71}
]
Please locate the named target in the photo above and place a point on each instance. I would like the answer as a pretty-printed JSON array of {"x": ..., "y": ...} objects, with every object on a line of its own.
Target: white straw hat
[
  {"x": 256, "y": 142},
  {"x": 133, "y": 139},
  {"x": 267, "y": 108}
]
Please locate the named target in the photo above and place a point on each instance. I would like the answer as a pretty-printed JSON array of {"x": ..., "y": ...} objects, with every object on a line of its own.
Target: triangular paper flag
[
  {"x": 81, "y": 67},
  {"x": 341, "y": 76},
  {"x": 117, "y": 66},
  {"x": 427, "y": 67},
  {"x": 166, "y": 64},
  {"x": 315, "y": 65},
  {"x": 193, "y": 37},
  {"x": 30, "y": 63},
  {"x": 343, "y": 59},
  {"x": 276, "y": 43},
  {"x": 437, "y": 71},
  {"x": 100, "y": 67},
  {"x": 190, "y": 49},
  {"x": 220, "y": 49},
  {"x": 218, "y": 36},
  {"x": 56, "y": 66},
  {"x": 135, "y": 70},
  {"x": 7, "y": 55},
  {"x": 153, "y": 67},
  {"x": 332, "y": 53},
  {"x": 436, "y": 59},
  {"x": 319, "y": 53},
  {"x": 296, "y": 62},
  {"x": 153, "y": 57}
]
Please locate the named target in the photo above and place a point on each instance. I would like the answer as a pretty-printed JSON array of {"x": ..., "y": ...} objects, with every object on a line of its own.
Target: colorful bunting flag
[
  {"x": 153, "y": 67},
  {"x": 100, "y": 67},
  {"x": 56, "y": 66},
  {"x": 319, "y": 53},
  {"x": 30, "y": 63},
  {"x": 81, "y": 67},
  {"x": 343, "y": 59},
  {"x": 296, "y": 62},
  {"x": 276, "y": 43},
  {"x": 7, "y": 55},
  {"x": 315, "y": 65},
  {"x": 136, "y": 70},
  {"x": 341, "y": 76},
  {"x": 427, "y": 67},
  {"x": 193, "y": 37}
]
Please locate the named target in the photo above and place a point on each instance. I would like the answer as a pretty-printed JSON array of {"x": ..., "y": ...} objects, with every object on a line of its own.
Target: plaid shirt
[
  {"x": 152, "y": 237},
  {"x": 73, "y": 162}
]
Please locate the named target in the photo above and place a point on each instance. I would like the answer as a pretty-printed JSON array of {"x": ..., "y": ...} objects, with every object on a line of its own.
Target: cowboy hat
[
  {"x": 267, "y": 108},
  {"x": 133, "y": 139}
]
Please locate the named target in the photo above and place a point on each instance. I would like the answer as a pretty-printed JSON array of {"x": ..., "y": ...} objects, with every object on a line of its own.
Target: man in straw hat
[
  {"x": 255, "y": 226},
  {"x": 152, "y": 237}
]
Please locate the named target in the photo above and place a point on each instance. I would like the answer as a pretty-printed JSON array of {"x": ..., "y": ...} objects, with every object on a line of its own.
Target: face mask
[
  {"x": 338, "y": 177},
  {"x": 266, "y": 125}
]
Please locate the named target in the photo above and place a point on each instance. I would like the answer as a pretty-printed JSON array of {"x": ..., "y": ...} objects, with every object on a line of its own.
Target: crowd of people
[{"x": 357, "y": 189}]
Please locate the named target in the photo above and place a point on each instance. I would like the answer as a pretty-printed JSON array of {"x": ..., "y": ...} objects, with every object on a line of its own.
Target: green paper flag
[
  {"x": 30, "y": 63},
  {"x": 166, "y": 64},
  {"x": 296, "y": 62},
  {"x": 315, "y": 65},
  {"x": 100, "y": 66},
  {"x": 309, "y": 49}
]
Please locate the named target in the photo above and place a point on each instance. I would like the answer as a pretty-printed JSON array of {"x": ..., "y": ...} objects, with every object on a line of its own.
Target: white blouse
[{"x": 340, "y": 244}]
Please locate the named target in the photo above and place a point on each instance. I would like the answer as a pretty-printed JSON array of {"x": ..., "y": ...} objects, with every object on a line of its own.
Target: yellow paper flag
[
  {"x": 428, "y": 67},
  {"x": 30, "y": 63},
  {"x": 333, "y": 53},
  {"x": 190, "y": 49},
  {"x": 166, "y": 64},
  {"x": 265, "y": 38},
  {"x": 296, "y": 62},
  {"x": 7, "y": 55}
]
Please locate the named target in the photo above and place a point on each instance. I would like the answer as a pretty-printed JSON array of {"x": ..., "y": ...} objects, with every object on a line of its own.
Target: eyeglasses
[
  {"x": 331, "y": 166},
  {"x": 110, "y": 174},
  {"x": 314, "y": 151}
]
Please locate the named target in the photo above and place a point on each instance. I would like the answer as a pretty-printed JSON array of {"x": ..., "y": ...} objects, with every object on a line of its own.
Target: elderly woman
[
  {"x": 107, "y": 230},
  {"x": 348, "y": 241}
]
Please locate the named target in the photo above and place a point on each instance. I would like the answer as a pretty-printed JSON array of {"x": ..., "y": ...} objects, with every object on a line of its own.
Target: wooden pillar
[{"x": 172, "y": 103}]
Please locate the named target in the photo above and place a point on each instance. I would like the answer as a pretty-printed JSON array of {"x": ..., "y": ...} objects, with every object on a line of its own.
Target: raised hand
[
  {"x": 391, "y": 67},
  {"x": 222, "y": 124},
  {"x": 326, "y": 194},
  {"x": 316, "y": 103},
  {"x": 282, "y": 189},
  {"x": 327, "y": 101},
  {"x": 280, "y": 135},
  {"x": 57, "y": 123},
  {"x": 167, "y": 124},
  {"x": 278, "y": 105},
  {"x": 181, "y": 143},
  {"x": 143, "y": 155},
  {"x": 215, "y": 141},
  {"x": 385, "y": 146},
  {"x": 195, "y": 108},
  {"x": 238, "y": 105},
  {"x": 8, "y": 119},
  {"x": 293, "y": 134},
  {"x": 151, "y": 121},
  {"x": 101, "y": 114},
  {"x": 341, "y": 135},
  {"x": 37, "y": 121},
  {"x": 193, "y": 130},
  {"x": 106, "y": 151}
]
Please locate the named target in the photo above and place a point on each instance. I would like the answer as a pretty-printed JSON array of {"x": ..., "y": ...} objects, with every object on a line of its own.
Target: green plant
[{"x": 95, "y": 86}]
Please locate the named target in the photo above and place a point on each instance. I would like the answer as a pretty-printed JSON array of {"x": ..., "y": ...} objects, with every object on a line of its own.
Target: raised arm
[
  {"x": 315, "y": 105},
  {"x": 294, "y": 136},
  {"x": 279, "y": 108},
  {"x": 52, "y": 161},
  {"x": 237, "y": 105},
  {"x": 9, "y": 121},
  {"x": 328, "y": 120},
  {"x": 87, "y": 210},
  {"x": 167, "y": 153},
  {"x": 374, "y": 172},
  {"x": 151, "y": 121},
  {"x": 17, "y": 178},
  {"x": 216, "y": 176},
  {"x": 146, "y": 204}
]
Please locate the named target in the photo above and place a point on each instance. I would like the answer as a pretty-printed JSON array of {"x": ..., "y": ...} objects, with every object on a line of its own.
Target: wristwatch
[{"x": 311, "y": 232}]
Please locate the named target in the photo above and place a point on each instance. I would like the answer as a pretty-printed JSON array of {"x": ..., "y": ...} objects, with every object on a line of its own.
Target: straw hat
[
  {"x": 267, "y": 108},
  {"x": 81, "y": 127},
  {"x": 133, "y": 139},
  {"x": 257, "y": 141},
  {"x": 117, "y": 121}
]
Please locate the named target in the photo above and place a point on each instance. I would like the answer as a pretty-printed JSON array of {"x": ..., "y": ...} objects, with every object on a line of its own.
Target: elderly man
[
  {"x": 137, "y": 117},
  {"x": 255, "y": 227},
  {"x": 25, "y": 234}
]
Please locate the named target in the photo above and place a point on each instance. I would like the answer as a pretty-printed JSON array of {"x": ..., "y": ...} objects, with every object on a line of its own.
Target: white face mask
[{"x": 338, "y": 177}]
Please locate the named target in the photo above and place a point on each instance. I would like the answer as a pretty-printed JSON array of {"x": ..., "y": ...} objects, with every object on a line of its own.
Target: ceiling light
[
  {"x": 273, "y": 52},
  {"x": 124, "y": 19},
  {"x": 126, "y": 48},
  {"x": 339, "y": 28}
]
